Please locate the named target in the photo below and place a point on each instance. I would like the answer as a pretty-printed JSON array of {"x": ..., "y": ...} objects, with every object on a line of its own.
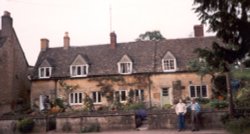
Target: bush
[
  {"x": 93, "y": 127},
  {"x": 135, "y": 106},
  {"x": 216, "y": 104},
  {"x": 167, "y": 106},
  {"x": 25, "y": 125},
  {"x": 59, "y": 102},
  {"x": 202, "y": 100},
  {"x": 238, "y": 126}
]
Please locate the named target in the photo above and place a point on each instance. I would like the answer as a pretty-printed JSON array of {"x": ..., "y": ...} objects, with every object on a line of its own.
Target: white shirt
[{"x": 180, "y": 108}]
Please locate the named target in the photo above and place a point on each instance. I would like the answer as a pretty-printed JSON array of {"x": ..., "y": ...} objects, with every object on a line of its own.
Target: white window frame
[
  {"x": 76, "y": 99},
  {"x": 140, "y": 96},
  {"x": 98, "y": 97},
  {"x": 120, "y": 95},
  {"x": 43, "y": 74},
  {"x": 73, "y": 73},
  {"x": 167, "y": 66},
  {"x": 129, "y": 66},
  {"x": 196, "y": 92}
]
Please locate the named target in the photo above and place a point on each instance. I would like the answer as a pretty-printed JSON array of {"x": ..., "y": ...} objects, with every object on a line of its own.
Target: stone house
[
  {"x": 155, "y": 72},
  {"x": 14, "y": 68}
]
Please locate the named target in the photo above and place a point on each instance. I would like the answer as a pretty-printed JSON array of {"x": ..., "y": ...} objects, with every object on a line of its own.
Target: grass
[{"x": 241, "y": 74}]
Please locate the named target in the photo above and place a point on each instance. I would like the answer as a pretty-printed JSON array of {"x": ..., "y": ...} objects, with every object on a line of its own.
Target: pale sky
[{"x": 88, "y": 21}]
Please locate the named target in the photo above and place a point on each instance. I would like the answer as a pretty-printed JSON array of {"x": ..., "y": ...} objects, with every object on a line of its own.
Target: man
[
  {"x": 195, "y": 111},
  {"x": 181, "y": 110}
]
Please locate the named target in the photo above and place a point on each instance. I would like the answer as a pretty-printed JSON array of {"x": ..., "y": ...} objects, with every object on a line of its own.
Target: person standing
[
  {"x": 195, "y": 111},
  {"x": 180, "y": 110}
]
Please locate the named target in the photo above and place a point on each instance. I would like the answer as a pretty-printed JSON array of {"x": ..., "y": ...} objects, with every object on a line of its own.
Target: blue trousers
[{"x": 181, "y": 121}]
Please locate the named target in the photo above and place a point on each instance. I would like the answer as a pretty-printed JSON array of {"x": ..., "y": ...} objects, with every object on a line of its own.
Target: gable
[
  {"x": 79, "y": 60},
  {"x": 45, "y": 63},
  {"x": 168, "y": 55},
  {"x": 125, "y": 59}
]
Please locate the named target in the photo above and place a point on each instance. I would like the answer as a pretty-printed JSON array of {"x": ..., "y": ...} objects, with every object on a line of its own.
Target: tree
[
  {"x": 231, "y": 22},
  {"x": 150, "y": 35}
]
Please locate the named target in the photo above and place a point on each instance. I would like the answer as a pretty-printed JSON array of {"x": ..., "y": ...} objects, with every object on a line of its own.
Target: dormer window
[
  {"x": 125, "y": 65},
  {"x": 79, "y": 67},
  {"x": 45, "y": 69},
  {"x": 169, "y": 62},
  {"x": 45, "y": 72},
  {"x": 78, "y": 70}
]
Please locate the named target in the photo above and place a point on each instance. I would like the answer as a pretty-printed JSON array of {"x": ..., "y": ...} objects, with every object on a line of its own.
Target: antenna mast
[{"x": 110, "y": 17}]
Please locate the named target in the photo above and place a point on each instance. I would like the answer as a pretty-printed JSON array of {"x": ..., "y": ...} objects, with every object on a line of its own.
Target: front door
[{"x": 165, "y": 99}]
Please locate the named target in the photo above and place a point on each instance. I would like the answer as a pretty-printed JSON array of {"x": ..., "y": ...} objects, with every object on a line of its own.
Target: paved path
[{"x": 162, "y": 131}]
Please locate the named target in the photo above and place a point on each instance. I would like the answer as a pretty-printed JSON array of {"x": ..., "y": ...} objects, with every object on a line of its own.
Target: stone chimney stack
[
  {"x": 113, "y": 40},
  {"x": 7, "y": 24},
  {"x": 44, "y": 44},
  {"x": 66, "y": 41},
  {"x": 198, "y": 31}
]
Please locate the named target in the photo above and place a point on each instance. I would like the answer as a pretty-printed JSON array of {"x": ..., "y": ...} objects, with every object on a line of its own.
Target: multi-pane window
[
  {"x": 169, "y": 65},
  {"x": 78, "y": 70},
  {"x": 165, "y": 92},
  {"x": 198, "y": 91},
  {"x": 120, "y": 95},
  {"x": 75, "y": 98},
  {"x": 96, "y": 96},
  {"x": 44, "y": 72},
  {"x": 139, "y": 94},
  {"x": 125, "y": 68}
]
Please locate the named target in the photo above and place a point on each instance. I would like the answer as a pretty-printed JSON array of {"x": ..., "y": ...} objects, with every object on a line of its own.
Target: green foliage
[
  {"x": 93, "y": 127},
  {"x": 25, "y": 125},
  {"x": 167, "y": 106},
  {"x": 243, "y": 98},
  {"x": 202, "y": 100},
  {"x": 88, "y": 103},
  {"x": 59, "y": 102},
  {"x": 218, "y": 104},
  {"x": 238, "y": 126},
  {"x": 241, "y": 74},
  {"x": 150, "y": 35},
  {"x": 230, "y": 21},
  {"x": 66, "y": 127},
  {"x": 135, "y": 106}
]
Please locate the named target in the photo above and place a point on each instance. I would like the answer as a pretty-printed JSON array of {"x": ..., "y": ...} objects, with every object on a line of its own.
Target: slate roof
[{"x": 102, "y": 59}]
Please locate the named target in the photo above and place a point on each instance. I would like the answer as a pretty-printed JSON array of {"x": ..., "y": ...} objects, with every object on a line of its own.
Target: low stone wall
[
  {"x": 168, "y": 120},
  {"x": 106, "y": 121},
  {"x": 76, "y": 122}
]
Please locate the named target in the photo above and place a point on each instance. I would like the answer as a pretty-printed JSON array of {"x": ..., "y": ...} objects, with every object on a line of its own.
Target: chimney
[
  {"x": 6, "y": 24},
  {"x": 66, "y": 40},
  {"x": 112, "y": 40},
  {"x": 198, "y": 31},
  {"x": 44, "y": 44}
]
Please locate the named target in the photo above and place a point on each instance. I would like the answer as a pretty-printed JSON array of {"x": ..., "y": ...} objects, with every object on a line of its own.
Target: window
[
  {"x": 120, "y": 95},
  {"x": 165, "y": 92},
  {"x": 139, "y": 94},
  {"x": 96, "y": 96},
  {"x": 125, "y": 68},
  {"x": 78, "y": 70},
  {"x": 198, "y": 91},
  {"x": 169, "y": 65},
  {"x": 75, "y": 98},
  {"x": 45, "y": 72}
]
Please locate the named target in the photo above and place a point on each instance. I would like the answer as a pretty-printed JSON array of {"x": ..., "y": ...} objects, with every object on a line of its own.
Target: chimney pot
[
  {"x": 112, "y": 40},
  {"x": 44, "y": 44},
  {"x": 6, "y": 13},
  {"x": 66, "y": 41},
  {"x": 198, "y": 31}
]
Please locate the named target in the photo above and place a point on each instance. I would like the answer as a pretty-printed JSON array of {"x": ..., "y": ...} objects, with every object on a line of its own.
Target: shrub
[
  {"x": 135, "y": 106},
  {"x": 25, "y": 125},
  {"x": 167, "y": 106},
  {"x": 216, "y": 104},
  {"x": 59, "y": 102},
  {"x": 202, "y": 100},
  {"x": 93, "y": 127},
  {"x": 238, "y": 126}
]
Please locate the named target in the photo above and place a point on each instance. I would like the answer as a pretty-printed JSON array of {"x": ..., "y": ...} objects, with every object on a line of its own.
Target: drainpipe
[{"x": 149, "y": 91}]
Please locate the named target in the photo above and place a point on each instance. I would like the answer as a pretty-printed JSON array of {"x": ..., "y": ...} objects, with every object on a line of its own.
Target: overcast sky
[{"x": 88, "y": 21}]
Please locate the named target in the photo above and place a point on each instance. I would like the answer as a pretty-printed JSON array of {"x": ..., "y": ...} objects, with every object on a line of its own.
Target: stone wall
[{"x": 75, "y": 122}]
